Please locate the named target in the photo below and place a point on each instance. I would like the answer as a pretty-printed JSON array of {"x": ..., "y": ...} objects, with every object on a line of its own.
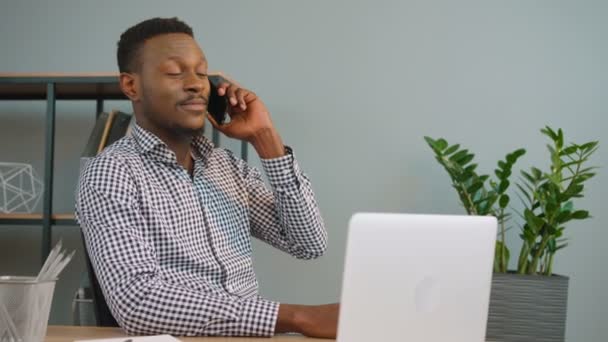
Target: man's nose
[{"x": 194, "y": 83}]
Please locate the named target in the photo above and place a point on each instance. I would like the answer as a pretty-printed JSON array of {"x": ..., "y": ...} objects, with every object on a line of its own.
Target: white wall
[{"x": 353, "y": 86}]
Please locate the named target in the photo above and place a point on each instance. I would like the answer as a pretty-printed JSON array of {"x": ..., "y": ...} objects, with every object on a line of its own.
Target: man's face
[{"x": 174, "y": 84}]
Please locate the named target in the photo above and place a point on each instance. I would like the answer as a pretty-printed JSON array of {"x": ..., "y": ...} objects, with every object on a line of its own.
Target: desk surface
[{"x": 69, "y": 334}]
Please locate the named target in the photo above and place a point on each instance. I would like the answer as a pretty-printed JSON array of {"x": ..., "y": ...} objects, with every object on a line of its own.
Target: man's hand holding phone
[{"x": 249, "y": 118}]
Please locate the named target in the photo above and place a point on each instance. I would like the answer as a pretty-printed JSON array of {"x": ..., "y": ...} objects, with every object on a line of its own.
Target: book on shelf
[
  {"x": 118, "y": 129},
  {"x": 108, "y": 128},
  {"x": 96, "y": 135}
]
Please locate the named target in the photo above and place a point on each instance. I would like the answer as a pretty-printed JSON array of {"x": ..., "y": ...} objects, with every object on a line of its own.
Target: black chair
[{"x": 103, "y": 315}]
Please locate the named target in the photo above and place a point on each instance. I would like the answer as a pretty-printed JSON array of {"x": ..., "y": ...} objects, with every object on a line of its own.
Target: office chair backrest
[{"x": 103, "y": 315}]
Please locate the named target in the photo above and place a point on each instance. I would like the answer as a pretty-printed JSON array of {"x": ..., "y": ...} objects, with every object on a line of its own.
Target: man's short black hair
[{"x": 132, "y": 39}]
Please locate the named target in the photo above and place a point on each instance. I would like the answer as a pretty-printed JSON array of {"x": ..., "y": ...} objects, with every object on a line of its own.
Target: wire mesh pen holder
[{"x": 25, "y": 304}]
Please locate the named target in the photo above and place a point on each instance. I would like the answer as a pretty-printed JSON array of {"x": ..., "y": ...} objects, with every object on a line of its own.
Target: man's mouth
[{"x": 194, "y": 105}]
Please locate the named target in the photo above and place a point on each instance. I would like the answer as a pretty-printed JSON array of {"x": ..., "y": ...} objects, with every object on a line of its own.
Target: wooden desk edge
[{"x": 57, "y": 333}]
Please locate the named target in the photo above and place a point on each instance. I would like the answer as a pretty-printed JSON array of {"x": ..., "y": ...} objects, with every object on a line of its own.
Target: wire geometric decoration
[{"x": 20, "y": 188}]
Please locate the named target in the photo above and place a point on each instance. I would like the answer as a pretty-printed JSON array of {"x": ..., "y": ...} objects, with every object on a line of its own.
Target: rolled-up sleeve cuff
[
  {"x": 282, "y": 170},
  {"x": 259, "y": 317}
]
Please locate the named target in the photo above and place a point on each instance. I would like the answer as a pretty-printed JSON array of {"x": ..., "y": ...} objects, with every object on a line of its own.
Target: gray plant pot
[{"x": 526, "y": 308}]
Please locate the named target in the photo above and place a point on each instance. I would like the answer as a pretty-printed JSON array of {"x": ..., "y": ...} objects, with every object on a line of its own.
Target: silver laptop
[{"x": 417, "y": 278}]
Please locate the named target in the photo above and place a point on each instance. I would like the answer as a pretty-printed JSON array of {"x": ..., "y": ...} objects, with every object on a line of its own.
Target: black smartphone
[{"x": 218, "y": 105}]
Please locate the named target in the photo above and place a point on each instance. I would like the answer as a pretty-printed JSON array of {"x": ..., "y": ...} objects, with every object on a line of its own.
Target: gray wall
[{"x": 353, "y": 87}]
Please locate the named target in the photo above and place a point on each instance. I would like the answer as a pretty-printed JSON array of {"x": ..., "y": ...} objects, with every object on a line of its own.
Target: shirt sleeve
[
  {"x": 287, "y": 217},
  {"x": 141, "y": 298}
]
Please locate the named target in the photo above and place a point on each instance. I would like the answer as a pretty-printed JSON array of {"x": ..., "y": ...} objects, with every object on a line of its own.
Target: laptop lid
[{"x": 417, "y": 278}]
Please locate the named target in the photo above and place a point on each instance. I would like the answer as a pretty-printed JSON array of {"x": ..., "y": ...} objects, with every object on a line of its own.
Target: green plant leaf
[
  {"x": 589, "y": 146},
  {"x": 528, "y": 235},
  {"x": 535, "y": 222},
  {"x": 563, "y": 217},
  {"x": 484, "y": 209},
  {"x": 580, "y": 214},
  {"x": 587, "y": 169},
  {"x": 524, "y": 192},
  {"x": 528, "y": 177},
  {"x": 588, "y": 153},
  {"x": 513, "y": 156},
  {"x": 569, "y": 150},
  {"x": 568, "y": 206},
  {"x": 471, "y": 167},
  {"x": 565, "y": 164},
  {"x": 430, "y": 141},
  {"x": 466, "y": 159},
  {"x": 459, "y": 155},
  {"x": 504, "y": 185},
  {"x": 475, "y": 187},
  {"x": 504, "y": 201},
  {"x": 511, "y": 159},
  {"x": 552, "y": 245},
  {"x": 442, "y": 144},
  {"x": 573, "y": 191},
  {"x": 480, "y": 200},
  {"x": 519, "y": 152},
  {"x": 465, "y": 176},
  {"x": 549, "y": 132},
  {"x": 451, "y": 149},
  {"x": 584, "y": 177}
]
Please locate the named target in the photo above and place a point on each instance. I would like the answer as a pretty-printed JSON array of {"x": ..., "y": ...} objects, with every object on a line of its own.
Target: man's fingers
[
  {"x": 240, "y": 96},
  {"x": 235, "y": 95},
  {"x": 226, "y": 128},
  {"x": 221, "y": 89},
  {"x": 231, "y": 94}
]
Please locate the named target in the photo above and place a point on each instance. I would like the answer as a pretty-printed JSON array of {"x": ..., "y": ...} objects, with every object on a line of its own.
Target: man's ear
[{"x": 129, "y": 84}]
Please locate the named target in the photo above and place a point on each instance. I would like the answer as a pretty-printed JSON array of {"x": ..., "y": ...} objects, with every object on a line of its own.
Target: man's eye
[
  {"x": 173, "y": 74},
  {"x": 201, "y": 75}
]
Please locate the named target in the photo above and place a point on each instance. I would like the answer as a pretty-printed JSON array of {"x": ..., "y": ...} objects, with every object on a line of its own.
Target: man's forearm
[
  {"x": 268, "y": 144},
  {"x": 287, "y": 217}
]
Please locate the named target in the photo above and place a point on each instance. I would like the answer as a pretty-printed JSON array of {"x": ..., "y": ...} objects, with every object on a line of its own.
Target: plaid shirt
[{"x": 172, "y": 252}]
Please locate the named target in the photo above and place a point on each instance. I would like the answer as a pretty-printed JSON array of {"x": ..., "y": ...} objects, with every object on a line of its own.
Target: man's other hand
[{"x": 319, "y": 321}]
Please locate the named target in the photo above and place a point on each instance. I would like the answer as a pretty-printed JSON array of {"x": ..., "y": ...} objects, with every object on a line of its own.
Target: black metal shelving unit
[{"x": 52, "y": 88}]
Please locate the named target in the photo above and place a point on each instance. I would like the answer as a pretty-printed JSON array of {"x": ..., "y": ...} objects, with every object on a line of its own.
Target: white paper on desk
[{"x": 157, "y": 338}]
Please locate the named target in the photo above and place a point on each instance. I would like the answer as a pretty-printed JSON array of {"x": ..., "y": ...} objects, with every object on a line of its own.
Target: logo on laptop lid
[{"x": 427, "y": 295}]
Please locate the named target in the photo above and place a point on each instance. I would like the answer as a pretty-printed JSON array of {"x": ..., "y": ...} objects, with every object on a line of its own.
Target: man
[{"x": 167, "y": 217}]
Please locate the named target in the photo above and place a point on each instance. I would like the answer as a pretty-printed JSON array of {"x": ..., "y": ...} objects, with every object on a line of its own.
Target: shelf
[
  {"x": 67, "y": 86},
  {"x": 36, "y": 219},
  {"x": 52, "y": 87}
]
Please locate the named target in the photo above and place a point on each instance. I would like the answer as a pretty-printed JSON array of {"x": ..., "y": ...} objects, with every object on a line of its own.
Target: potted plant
[{"x": 527, "y": 303}]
